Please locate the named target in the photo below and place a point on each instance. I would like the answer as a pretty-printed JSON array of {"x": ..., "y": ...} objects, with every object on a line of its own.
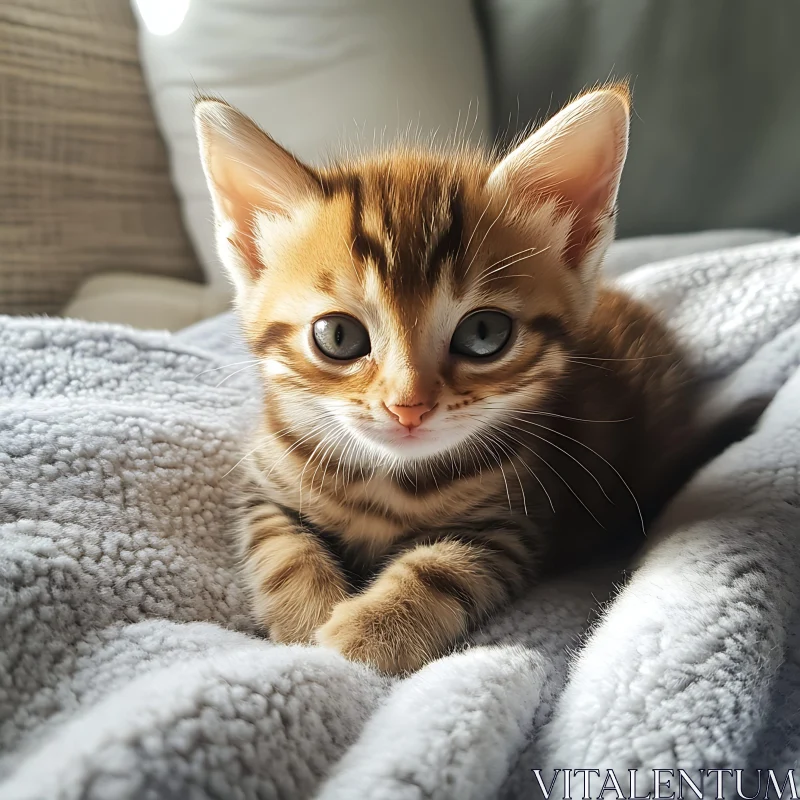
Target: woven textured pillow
[{"x": 84, "y": 183}]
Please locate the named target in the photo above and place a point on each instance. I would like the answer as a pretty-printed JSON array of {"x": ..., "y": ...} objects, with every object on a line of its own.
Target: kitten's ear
[
  {"x": 570, "y": 169},
  {"x": 250, "y": 176}
]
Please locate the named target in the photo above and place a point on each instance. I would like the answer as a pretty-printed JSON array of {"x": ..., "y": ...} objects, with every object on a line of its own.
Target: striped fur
[{"x": 539, "y": 456}]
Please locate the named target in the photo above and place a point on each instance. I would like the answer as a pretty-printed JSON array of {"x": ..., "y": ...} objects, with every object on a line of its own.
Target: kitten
[{"x": 454, "y": 402}]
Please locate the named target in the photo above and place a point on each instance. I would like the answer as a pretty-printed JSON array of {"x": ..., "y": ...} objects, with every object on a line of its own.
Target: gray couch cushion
[{"x": 716, "y": 133}]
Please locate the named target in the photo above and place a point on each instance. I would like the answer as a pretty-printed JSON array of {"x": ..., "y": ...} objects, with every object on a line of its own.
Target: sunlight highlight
[{"x": 163, "y": 17}]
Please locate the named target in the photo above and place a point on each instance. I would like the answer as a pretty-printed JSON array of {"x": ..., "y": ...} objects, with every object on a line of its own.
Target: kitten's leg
[
  {"x": 427, "y": 598},
  {"x": 294, "y": 580}
]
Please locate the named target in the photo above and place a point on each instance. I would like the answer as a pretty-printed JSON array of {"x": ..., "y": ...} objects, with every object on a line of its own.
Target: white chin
[{"x": 415, "y": 447}]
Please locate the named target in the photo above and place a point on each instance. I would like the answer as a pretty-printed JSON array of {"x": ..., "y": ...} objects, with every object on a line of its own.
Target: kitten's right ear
[
  {"x": 564, "y": 179},
  {"x": 250, "y": 176}
]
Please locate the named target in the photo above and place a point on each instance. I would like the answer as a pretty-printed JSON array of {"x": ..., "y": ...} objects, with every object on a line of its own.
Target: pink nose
[{"x": 410, "y": 416}]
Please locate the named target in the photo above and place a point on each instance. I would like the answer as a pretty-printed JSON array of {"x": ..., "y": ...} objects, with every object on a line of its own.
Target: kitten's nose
[{"x": 410, "y": 416}]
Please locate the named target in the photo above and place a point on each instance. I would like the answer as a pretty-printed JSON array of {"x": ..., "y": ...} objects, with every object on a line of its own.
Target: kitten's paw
[
  {"x": 295, "y": 619},
  {"x": 387, "y": 635},
  {"x": 289, "y": 631}
]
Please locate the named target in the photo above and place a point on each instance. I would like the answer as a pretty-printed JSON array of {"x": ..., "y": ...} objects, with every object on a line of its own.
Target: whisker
[
  {"x": 483, "y": 440},
  {"x": 494, "y": 222},
  {"x": 633, "y": 358},
  {"x": 507, "y": 451},
  {"x": 228, "y": 366},
  {"x": 551, "y": 414},
  {"x": 433, "y": 477},
  {"x": 330, "y": 451},
  {"x": 345, "y": 462},
  {"x": 312, "y": 432},
  {"x": 262, "y": 441},
  {"x": 243, "y": 458},
  {"x": 485, "y": 275},
  {"x": 560, "y": 477},
  {"x": 528, "y": 467},
  {"x": 303, "y": 472},
  {"x": 228, "y": 377},
  {"x": 506, "y": 258},
  {"x": 345, "y": 459},
  {"x": 605, "y": 460},
  {"x": 477, "y": 225},
  {"x": 521, "y": 275},
  {"x": 357, "y": 453},
  {"x": 326, "y": 431},
  {"x": 352, "y": 260},
  {"x": 323, "y": 445},
  {"x": 477, "y": 456},
  {"x": 573, "y": 360},
  {"x": 566, "y": 453}
]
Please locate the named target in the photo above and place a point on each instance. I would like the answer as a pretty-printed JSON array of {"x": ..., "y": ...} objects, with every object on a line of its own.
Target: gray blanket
[{"x": 129, "y": 667}]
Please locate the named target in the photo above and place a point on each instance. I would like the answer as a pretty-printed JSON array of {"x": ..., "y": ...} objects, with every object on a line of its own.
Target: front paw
[
  {"x": 297, "y": 587},
  {"x": 290, "y": 631},
  {"x": 295, "y": 619},
  {"x": 390, "y": 634}
]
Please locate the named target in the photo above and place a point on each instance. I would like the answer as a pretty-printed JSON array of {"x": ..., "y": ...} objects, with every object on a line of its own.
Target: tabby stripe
[
  {"x": 332, "y": 544},
  {"x": 550, "y": 327},
  {"x": 442, "y": 579},
  {"x": 275, "y": 335},
  {"x": 388, "y": 215},
  {"x": 278, "y": 578},
  {"x": 518, "y": 560},
  {"x": 259, "y": 535},
  {"x": 325, "y": 282},
  {"x": 254, "y": 500},
  {"x": 364, "y": 245},
  {"x": 515, "y": 375},
  {"x": 450, "y": 242},
  {"x": 493, "y": 545},
  {"x": 256, "y": 516},
  {"x": 371, "y": 510},
  {"x": 337, "y": 183}
]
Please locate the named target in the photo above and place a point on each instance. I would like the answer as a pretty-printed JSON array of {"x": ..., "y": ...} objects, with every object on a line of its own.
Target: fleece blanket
[{"x": 129, "y": 667}]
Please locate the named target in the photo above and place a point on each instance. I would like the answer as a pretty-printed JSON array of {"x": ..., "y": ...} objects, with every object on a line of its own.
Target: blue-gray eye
[
  {"x": 481, "y": 334},
  {"x": 341, "y": 337}
]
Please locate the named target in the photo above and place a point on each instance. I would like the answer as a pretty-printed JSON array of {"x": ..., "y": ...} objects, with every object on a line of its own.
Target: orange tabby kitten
[{"x": 453, "y": 401}]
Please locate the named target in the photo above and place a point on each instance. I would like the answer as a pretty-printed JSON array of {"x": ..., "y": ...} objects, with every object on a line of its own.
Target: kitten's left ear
[
  {"x": 569, "y": 170},
  {"x": 249, "y": 175}
]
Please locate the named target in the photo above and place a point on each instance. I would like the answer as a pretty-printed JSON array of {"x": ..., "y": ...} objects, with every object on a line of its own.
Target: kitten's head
[{"x": 408, "y": 304}]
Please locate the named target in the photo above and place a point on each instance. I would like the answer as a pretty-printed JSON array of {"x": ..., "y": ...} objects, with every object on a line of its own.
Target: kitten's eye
[
  {"x": 481, "y": 334},
  {"x": 341, "y": 337}
]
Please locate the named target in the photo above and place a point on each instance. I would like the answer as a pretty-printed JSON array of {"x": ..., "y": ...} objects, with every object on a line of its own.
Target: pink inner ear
[
  {"x": 243, "y": 214},
  {"x": 587, "y": 199},
  {"x": 590, "y": 205},
  {"x": 246, "y": 247},
  {"x": 239, "y": 199}
]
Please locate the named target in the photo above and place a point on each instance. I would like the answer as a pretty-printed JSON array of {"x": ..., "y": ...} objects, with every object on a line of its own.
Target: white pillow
[{"x": 316, "y": 74}]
